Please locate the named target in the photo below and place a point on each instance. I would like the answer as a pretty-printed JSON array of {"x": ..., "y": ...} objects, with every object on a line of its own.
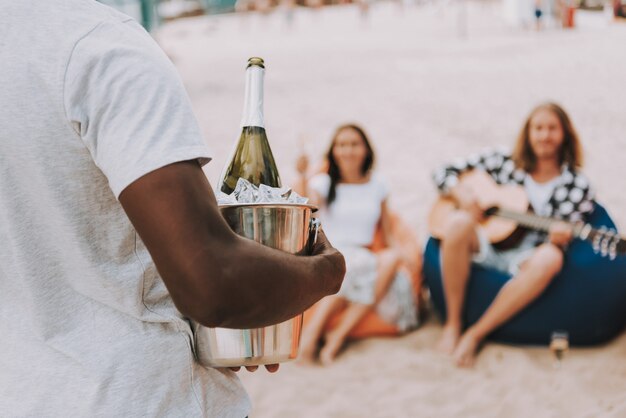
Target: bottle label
[{"x": 253, "y": 105}]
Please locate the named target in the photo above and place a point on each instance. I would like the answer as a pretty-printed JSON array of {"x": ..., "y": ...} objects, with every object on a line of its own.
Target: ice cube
[{"x": 245, "y": 192}]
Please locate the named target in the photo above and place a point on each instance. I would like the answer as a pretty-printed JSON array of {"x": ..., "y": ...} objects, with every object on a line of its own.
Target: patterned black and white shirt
[{"x": 572, "y": 199}]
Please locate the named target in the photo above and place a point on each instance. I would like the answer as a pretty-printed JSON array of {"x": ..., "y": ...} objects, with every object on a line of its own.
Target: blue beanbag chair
[{"x": 587, "y": 298}]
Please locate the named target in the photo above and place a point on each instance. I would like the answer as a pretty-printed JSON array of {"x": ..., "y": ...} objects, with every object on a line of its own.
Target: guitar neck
[
  {"x": 541, "y": 223},
  {"x": 603, "y": 240}
]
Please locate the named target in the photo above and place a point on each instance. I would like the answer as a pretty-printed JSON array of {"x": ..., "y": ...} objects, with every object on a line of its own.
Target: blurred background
[{"x": 430, "y": 81}]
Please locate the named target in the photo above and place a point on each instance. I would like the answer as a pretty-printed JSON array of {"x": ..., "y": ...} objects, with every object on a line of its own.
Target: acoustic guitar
[{"x": 507, "y": 217}]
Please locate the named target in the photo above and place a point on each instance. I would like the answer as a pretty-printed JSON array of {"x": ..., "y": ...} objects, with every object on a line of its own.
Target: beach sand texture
[{"x": 427, "y": 92}]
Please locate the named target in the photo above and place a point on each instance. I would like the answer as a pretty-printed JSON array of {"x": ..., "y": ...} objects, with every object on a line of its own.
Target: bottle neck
[{"x": 253, "y": 103}]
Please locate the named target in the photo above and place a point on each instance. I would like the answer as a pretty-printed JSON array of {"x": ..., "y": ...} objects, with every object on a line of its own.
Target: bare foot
[
  {"x": 307, "y": 351},
  {"x": 331, "y": 348},
  {"x": 465, "y": 353},
  {"x": 449, "y": 339}
]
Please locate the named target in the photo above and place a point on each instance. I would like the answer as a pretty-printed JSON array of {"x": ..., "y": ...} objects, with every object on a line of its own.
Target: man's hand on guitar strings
[{"x": 560, "y": 234}]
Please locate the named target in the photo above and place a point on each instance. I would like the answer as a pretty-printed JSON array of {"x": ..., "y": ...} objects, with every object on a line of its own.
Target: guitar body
[
  {"x": 507, "y": 217},
  {"x": 502, "y": 233}
]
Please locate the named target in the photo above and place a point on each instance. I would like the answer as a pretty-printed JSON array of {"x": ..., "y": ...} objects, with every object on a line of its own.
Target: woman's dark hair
[
  {"x": 571, "y": 149},
  {"x": 333, "y": 168}
]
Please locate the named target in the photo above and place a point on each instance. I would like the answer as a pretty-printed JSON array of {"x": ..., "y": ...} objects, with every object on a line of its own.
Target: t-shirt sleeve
[
  {"x": 127, "y": 103},
  {"x": 493, "y": 161},
  {"x": 582, "y": 196},
  {"x": 382, "y": 187},
  {"x": 320, "y": 184}
]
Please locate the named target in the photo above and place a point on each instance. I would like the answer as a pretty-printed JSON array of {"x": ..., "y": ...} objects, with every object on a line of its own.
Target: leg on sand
[
  {"x": 459, "y": 242},
  {"x": 534, "y": 276},
  {"x": 313, "y": 330},
  {"x": 388, "y": 263}
]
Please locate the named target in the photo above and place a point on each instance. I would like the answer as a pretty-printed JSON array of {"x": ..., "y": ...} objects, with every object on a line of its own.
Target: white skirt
[{"x": 397, "y": 307}]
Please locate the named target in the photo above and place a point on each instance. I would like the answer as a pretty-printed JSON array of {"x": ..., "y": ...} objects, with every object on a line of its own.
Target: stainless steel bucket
[{"x": 286, "y": 227}]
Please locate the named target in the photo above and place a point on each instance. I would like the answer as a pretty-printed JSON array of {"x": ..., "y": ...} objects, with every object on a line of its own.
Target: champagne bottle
[{"x": 252, "y": 157}]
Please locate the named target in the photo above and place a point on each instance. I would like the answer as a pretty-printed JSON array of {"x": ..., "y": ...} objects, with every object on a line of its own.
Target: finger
[
  {"x": 303, "y": 161},
  {"x": 252, "y": 368},
  {"x": 321, "y": 244},
  {"x": 235, "y": 369},
  {"x": 566, "y": 228},
  {"x": 272, "y": 368},
  {"x": 557, "y": 237},
  {"x": 323, "y": 247}
]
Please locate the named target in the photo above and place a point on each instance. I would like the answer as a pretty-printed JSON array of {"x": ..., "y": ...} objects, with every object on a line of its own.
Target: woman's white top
[{"x": 351, "y": 219}]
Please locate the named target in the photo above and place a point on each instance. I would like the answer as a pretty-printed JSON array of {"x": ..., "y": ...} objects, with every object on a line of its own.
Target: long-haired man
[{"x": 546, "y": 160}]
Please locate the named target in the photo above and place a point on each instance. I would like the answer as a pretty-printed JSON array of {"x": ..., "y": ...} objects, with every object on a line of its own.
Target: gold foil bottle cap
[{"x": 256, "y": 61}]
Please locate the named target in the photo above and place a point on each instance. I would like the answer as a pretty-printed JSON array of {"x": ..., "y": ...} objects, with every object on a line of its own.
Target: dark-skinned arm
[{"x": 214, "y": 276}]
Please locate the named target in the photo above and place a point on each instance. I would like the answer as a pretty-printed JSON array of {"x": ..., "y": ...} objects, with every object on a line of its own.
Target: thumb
[{"x": 322, "y": 244}]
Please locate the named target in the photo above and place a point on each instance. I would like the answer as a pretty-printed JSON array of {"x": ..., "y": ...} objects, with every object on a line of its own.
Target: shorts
[
  {"x": 398, "y": 306},
  {"x": 507, "y": 261}
]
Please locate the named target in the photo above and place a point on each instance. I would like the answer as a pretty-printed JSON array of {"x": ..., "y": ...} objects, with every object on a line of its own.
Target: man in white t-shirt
[
  {"x": 546, "y": 162},
  {"x": 111, "y": 237}
]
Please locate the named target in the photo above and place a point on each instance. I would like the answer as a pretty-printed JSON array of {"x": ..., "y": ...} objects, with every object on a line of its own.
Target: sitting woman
[{"x": 353, "y": 203}]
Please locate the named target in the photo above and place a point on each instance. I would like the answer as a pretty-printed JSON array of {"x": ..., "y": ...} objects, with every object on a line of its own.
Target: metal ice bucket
[{"x": 286, "y": 227}]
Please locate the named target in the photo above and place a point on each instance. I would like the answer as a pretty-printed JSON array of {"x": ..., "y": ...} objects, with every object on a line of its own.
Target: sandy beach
[{"x": 429, "y": 83}]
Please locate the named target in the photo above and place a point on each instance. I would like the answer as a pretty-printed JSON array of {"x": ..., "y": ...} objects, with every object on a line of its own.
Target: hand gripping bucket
[{"x": 283, "y": 226}]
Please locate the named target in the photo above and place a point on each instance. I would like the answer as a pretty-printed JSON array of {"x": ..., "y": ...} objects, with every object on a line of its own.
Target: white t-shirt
[
  {"x": 539, "y": 194},
  {"x": 89, "y": 104},
  {"x": 351, "y": 219}
]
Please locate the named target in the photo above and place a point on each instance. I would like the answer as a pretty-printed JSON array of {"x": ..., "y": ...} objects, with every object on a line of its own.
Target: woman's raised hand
[
  {"x": 560, "y": 234},
  {"x": 302, "y": 164}
]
